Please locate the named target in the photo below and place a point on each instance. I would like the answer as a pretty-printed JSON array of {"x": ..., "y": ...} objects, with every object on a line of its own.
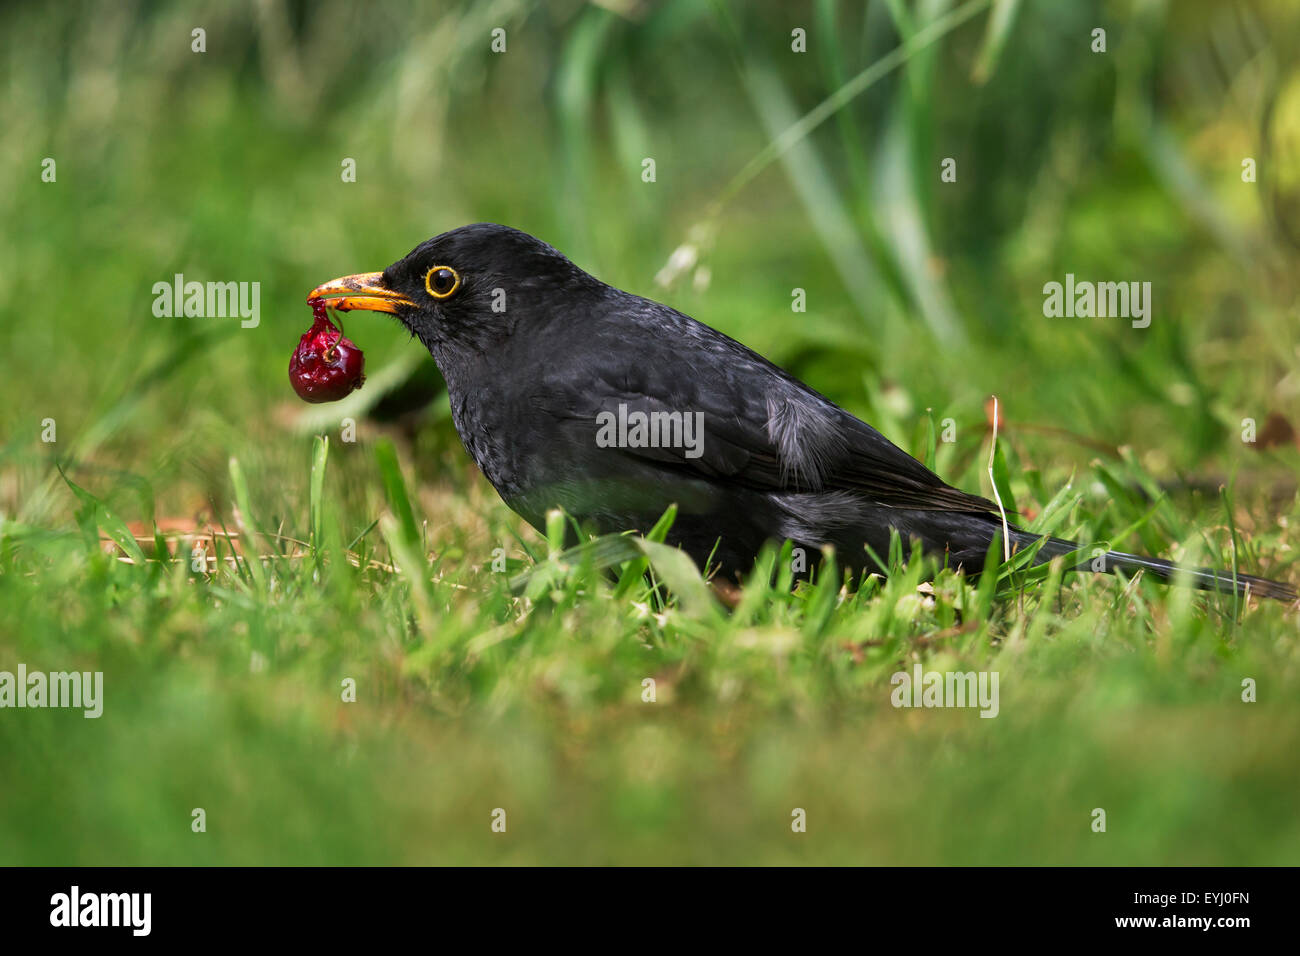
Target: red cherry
[{"x": 325, "y": 366}]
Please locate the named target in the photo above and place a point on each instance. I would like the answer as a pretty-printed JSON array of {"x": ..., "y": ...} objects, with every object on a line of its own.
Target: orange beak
[{"x": 366, "y": 290}]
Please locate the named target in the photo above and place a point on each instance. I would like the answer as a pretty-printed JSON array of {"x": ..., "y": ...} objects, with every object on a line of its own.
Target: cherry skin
[{"x": 325, "y": 366}]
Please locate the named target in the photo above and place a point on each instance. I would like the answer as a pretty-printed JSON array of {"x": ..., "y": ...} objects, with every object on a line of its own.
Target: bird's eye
[{"x": 442, "y": 281}]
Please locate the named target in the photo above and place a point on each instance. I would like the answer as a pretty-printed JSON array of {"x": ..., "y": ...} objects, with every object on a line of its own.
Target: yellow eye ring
[{"x": 439, "y": 275}]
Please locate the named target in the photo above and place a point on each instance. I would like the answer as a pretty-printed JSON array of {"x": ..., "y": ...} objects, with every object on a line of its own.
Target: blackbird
[{"x": 570, "y": 393}]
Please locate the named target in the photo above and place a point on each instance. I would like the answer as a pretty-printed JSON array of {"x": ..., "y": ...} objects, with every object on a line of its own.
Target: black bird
[{"x": 560, "y": 385}]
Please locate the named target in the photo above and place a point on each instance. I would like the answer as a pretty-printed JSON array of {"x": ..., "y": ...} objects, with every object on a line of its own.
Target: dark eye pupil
[{"x": 443, "y": 280}]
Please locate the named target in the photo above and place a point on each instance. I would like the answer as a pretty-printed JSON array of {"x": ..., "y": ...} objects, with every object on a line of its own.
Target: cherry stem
[{"x": 329, "y": 352}]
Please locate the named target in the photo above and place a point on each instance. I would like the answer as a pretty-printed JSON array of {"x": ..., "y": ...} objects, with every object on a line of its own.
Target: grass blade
[
  {"x": 399, "y": 501},
  {"x": 97, "y": 514},
  {"x": 247, "y": 526}
]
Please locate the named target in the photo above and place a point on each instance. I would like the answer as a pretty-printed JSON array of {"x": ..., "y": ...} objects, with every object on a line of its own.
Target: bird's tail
[{"x": 1207, "y": 579}]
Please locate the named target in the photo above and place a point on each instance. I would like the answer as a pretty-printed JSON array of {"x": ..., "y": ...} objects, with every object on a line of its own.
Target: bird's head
[{"x": 469, "y": 288}]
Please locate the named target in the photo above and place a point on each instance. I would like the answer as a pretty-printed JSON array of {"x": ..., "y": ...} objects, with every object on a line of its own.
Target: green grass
[{"x": 493, "y": 670}]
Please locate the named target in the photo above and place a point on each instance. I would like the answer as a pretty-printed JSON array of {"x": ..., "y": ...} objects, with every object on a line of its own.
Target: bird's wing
[{"x": 742, "y": 420}]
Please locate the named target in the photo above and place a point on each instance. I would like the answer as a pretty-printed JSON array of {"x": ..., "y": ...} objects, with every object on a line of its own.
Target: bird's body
[{"x": 541, "y": 360}]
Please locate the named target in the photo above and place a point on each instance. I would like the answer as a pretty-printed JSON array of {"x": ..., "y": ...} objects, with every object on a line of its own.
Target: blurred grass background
[{"x": 223, "y": 689}]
